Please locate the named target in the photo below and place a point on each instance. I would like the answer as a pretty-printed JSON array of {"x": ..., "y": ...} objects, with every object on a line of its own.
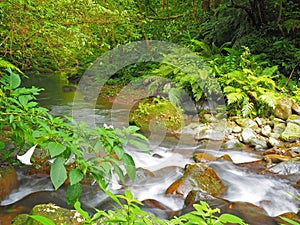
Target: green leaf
[
  {"x": 14, "y": 79},
  {"x": 129, "y": 166},
  {"x": 43, "y": 220},
  {"x": 120, "y": 173},
  {"x": 75, "y": 176},
  {"x": 119, "y": 151},
  {"x": 58, "y": 173},
  {"x": 24, "y": 100},
  {"x": 56, "y": 149},
  {"x": 289, "y": 221},
  {"x": 228, "y": 218},
  {"x": 83, "y": 213},
  {"x": 73, "y": 193},
  {"x": 139, "y": 145}
]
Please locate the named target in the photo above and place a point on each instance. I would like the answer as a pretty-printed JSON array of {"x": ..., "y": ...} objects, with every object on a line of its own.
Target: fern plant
[{"x": 249, "y": 86}]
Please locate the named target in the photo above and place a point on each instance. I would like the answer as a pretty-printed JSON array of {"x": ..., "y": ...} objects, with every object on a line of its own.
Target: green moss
[{"x": 157, "y": 115}]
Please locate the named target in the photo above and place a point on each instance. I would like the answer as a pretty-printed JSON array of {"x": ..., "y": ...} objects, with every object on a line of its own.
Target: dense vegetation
[{"x": 251, "y": 46}]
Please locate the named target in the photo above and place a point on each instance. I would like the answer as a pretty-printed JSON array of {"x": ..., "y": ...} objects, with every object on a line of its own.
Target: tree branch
[{"x": 165, "y": 18}]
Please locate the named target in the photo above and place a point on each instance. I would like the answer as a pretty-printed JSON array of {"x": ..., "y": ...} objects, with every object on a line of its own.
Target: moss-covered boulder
[
  {"x": 157, "y": 115},
  {"x": 8, "y": 180},
  {"x": 197, "y": 176},
  {"x": 53, "y": 212},
  {"x": 292, "y": 130},
  {"x": 284, "y": 108}
]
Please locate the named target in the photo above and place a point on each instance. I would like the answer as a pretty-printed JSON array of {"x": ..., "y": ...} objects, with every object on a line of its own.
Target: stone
[
  {"x": 266, "y": 130},
  {"x": 283, "y": 109},
  {"x": 246, "y": 123},
  {"x": 296, "y": 108},
  {"x": 275, "y": 158},
  {"x": 210, "y": 134},
  {"x": 209, "y": 118},
  {"x": 275, "y": 135},
  {"x": 233, "y": 143},
  {"x": 294, "y": 119},
  {"x": 225, "y": 157},
  {"x": 203, "y": 157},
  {"x": 197, "y": 176},
  {"x": 194, "y": 128},
  {"x": 291, "y": 132},
  {"x": 288, "y": 167},
  {"x": 237, "y": 129},
  {"x": 53, "y": 212},
  {"x": 259, "y": 143},
  {"x": 161, "y": 117},
  {"x": 8, "y": 180},
  {"x": 272, "y": 142},
  {"x": 195, "y": 196},
  {"x": 279, "y": 126},
  {"x": 248, "y": 135},
  {"x": 258, "y": 121}
]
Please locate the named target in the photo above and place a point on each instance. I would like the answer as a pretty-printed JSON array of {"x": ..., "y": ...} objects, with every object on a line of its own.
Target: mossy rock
[
  {"x": 53, "y": 212},
  {"x": 157, "y": 115},
  {"x": 197, "y": 176}
]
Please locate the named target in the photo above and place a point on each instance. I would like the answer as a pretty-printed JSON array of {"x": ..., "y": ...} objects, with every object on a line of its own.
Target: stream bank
[{"x": 256, "y": 173}]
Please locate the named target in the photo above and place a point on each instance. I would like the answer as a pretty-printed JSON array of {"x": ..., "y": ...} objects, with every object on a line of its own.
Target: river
[{"x": 157, "y": 170}]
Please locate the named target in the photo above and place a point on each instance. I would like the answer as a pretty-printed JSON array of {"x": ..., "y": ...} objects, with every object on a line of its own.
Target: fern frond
[
  {"x": 269, "y": 98},
  {"x": 7, "y": 65},
  {"x": 236, "y": 97},
  {"x": 247, "y": 109}
]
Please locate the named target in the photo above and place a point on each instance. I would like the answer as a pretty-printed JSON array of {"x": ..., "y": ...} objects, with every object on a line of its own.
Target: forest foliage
[{"x": 251, "y": 46}]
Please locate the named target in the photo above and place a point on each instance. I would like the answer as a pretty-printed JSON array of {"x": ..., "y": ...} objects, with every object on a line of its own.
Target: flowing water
[{"x": 156, "y": 171}]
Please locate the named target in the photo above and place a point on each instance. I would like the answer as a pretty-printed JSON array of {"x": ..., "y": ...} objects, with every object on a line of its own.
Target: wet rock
[
  {"x": 295, "y": 151},
  {"x": 197, "y": 176},
  {"x": 8, "y": 180},
  {"x": 203, "y": 157},
  {"x": 233, "y": 143},
  {"x": 210, "y": 134},
  {"x": 251, "y": 138},
  {"x": 260, "y": 143},
  {"x": 259, "y": 121},
  {"x": 272, "y": 142},
  {"x": 296, "y": 108},
  {"x": 291, "y": 132},
  {"x": 246, "y": 123},
  {"x": 266, "y": 130},
  {"x": 286, "y": 168},
  {"x": 279, "y": 126},
  {"x": 275, "y": 158},
  {"x": 161, "y": 116},
  {"x": 250, "y": 213},
  {"x": 69, "y": 88},
  {"x": 209, "y": 118},
  {"x": 53, "y": 212},
  {"x": 193, "y": 128},
  {"x": 294, "y": 119},
  {"x": 195, "y": 196},
  {"x": 284, "y": 108},
  {"x": 225, "y": 157},
  {"x": 237, "y": 129},
  {"x": 156, "y": 208},
  {"x": 248, "y": 136}
]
